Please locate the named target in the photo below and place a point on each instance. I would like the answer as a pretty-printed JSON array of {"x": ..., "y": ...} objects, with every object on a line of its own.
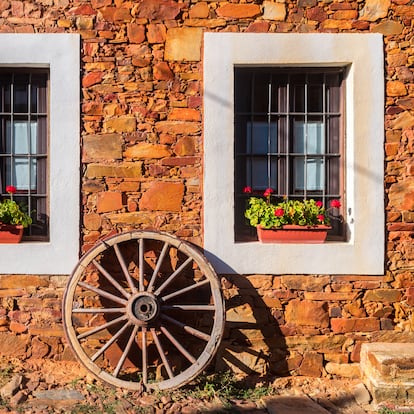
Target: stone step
[{"x": 388, "y": 371}]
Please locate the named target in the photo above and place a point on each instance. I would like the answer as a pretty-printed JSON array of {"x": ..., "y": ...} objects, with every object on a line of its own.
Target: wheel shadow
[{"x": 252, "y": 344}]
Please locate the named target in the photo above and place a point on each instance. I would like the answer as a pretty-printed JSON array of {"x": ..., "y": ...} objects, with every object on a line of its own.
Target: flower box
[
  {"x": 292, "y": 233},
  {"x": 10, "y": 233}
]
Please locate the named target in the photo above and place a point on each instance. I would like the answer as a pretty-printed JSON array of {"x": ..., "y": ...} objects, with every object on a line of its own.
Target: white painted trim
[
  {"x": 363, "y": 253},
  {"x": 61, "y": 54}
]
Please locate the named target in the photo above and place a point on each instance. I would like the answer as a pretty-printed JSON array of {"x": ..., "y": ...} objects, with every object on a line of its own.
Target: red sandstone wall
[{"x": 141, "y": 138}]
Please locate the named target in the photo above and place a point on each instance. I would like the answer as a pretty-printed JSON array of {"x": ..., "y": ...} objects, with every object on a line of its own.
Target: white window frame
[
  {"x": 363, "y": 252},
  {"x": 60, "y": 53}
]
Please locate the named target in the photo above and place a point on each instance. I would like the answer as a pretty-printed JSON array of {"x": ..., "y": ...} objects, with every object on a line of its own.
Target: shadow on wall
[{"x": 252, "y": 342}]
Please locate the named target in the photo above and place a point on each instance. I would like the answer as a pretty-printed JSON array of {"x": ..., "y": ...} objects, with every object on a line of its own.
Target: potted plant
[
  {"x": 12, "y": 219},
  {"x": 289, "y": 221}
]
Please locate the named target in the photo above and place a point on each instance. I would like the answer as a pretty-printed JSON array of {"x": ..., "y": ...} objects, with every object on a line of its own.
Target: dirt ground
[{"x": 44, "y": 386}]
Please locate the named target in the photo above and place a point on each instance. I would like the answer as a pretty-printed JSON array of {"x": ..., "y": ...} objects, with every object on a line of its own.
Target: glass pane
[
  {"x": 297, "y": 98},
  {"x": 261, "y": 93},
  {"x": 5, "y": 95},
  {"x": 38, "y": 94},
  {"x": 20, "y": 171},
  {"x": 24, "y": 136},
  {"x": 333, "y": 92},
  {"x": 21, "y": 94},
  {"x": 333, "y": 186},
  {"x": 279, "y": 93},
  {"x": 334, "y": 139},
  {"x": 309, "y": 174},
  {"x": 240, "y": 131},
  {"x": 260, "y": 134},
  {"x": 242, "y": 90},
  {"x": 308, "y": 137},
  {"x": 259, "y": 174},
  {"x": 315, "y": 98}
]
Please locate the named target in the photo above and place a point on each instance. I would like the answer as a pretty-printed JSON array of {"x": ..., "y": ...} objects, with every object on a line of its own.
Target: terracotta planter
[
  {"x": 10, "y": 233},
  {"x": 292, "y": 233}
]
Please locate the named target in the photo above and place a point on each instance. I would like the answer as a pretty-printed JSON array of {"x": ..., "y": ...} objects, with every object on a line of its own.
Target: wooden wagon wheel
[{"x": 144, "y": 309}]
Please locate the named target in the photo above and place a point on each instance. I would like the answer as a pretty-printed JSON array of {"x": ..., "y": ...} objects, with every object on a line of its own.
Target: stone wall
[{"x": 141, "y": 140}]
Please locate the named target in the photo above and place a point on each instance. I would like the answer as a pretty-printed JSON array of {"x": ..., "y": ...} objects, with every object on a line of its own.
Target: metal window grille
[
  {"x": 24, "y": 143},
  {"x": 288, "y": 136}
]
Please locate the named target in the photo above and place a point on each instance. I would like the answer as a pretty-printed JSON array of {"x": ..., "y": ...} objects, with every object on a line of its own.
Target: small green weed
[{"x": 225, "y": 387}]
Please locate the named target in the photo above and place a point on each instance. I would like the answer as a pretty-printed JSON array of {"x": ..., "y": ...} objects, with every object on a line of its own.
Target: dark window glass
[
  {"x": 24, "y": 144},
  {"x": 289, "y": 137}
]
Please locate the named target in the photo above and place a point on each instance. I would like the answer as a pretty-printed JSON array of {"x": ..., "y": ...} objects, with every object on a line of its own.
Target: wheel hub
[{"x": 143, "y": 308}]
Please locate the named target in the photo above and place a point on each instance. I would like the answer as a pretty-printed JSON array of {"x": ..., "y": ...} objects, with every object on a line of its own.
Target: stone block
[
  {"x": 163, "y": 196},
  {"x": 374, "y": 10},
  {"x": 238, "y": 11},
  {"x": 183, "y": 44},
  {"x": 159, "y": 9},
  {"x": 126, "y": 170},
  {"x": 343, "y": 325},
  {"x": 108, "y": 201},
  {"x": 102, "y": 147},
  {"x": 145, "y": 150},
  {"x": 274, "y": 11},
  {"x": 22, "y": 281},
  {"x": 308, "y": 313},
  {"x": 120, "y": 124},
  {"x": 343, "y": 370}
]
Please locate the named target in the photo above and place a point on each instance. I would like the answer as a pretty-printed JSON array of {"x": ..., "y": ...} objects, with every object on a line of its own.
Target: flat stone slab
[
  {"x": 388, "y": 371},
  {"x": 293, "y": 405},
  {"x": 388, "y": 362}
]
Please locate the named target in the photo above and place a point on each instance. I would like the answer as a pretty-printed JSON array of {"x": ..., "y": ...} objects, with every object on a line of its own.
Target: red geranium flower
[
  {"x": 335, "y": 203},
  {"x": 279, "y": 212},
  {"x": 321, "y": 218},
  {"x": 247, "y": 190},
  {"x": 267, "y": 192},
  {"x": 11, "y": 189},
  {"x": 319, "y": 203}
]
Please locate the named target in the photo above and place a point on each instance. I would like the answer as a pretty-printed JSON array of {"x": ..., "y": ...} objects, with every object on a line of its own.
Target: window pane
[
  {"x": 5, "y": 96},
  {"x": 315, "y": 98},
  {"x": 333, "y": 82},
  {"x": 243, "y": 92},
  {"x": 21, "y": 94},
  {"x": 261, "y": 94},
  {"x": 308, "y": 137},
  {"x": 279, "y": 93},
  {"x": 309, "y": 174},
  {"x": 262, "y": 137}
]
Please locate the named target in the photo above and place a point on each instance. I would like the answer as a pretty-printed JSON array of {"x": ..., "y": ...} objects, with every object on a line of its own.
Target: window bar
[
  {"x": 269, "y": 163},
  {"x": 29, "y": 145},
  {"x": 305, "y": 170},
  {"x": 325, "y": 137},
  {"x": 12, "y": 160},
  {"x": 287, "y": 148}
]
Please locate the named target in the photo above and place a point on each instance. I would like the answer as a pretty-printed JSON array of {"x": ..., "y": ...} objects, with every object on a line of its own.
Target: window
[
  {"x": 23, "y": 143},
  {"x": 351, "y": 67},
  {"x": 40, "y": 147},
  {"x": 288, "y": 137}
]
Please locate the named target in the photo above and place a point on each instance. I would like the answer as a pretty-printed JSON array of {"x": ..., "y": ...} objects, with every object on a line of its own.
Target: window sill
[{"x": 331, "y": 257}]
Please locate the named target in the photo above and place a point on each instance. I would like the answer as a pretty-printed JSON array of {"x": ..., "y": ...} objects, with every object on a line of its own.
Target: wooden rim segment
[{"x": 144, "y": 309}]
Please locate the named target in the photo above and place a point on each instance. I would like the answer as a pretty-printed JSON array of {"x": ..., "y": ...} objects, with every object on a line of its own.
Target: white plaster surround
[
  {"x": 61, "y": 54},
  {"x": 363, "y": 253}
]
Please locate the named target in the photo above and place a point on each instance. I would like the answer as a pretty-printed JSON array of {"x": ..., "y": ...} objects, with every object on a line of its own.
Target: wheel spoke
[
  {"x": 173, "y": 276},
  {"x": 126, "y": 351},
  {"x": 177, "y": 344},
  {"x": 125, "y": 269},
  {"x": 141, "y": 264},
  {"x": 158, "y": 266},
  {"x": 162, "y": 354},
  {"x": 103, "y": 293},
  {"x": 184, "y": 290},
  {"x": 188, "y": 329},
  {"x": 189, "y": 307},
  {"x": 102, "y": 327},
  {"x": 144, "y": 356},
  {"x": 110, "y": 342},
  {"x": 99, "y": 310},
  {"x": 111, "y": 279}
]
